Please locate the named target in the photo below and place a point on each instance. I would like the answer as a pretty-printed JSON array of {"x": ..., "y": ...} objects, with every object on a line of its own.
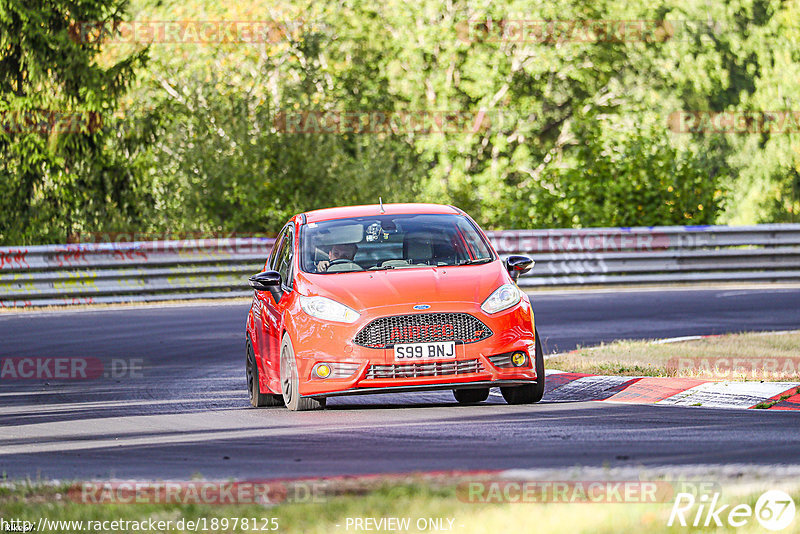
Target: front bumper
[
  {"x": 423, "y": 387},
  {"x": 378, "y": 372}
]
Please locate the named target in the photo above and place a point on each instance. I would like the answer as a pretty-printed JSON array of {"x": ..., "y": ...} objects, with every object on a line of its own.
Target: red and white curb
[
  {"x": 564, "y": 387},
  {"x": 668, "y": 391}
]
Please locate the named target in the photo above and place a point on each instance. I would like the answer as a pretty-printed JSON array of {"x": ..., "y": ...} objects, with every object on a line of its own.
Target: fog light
[
  {"x": 322, "y": 370},
  {"x": 519, "y": 359}
]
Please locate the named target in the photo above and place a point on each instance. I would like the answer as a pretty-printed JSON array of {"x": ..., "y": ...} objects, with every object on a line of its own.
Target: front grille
[
  {"x": 413, "y": 370},
  {"x": 422, "y": 328}
]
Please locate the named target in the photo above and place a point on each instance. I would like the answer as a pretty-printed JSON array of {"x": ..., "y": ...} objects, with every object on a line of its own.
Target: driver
[{"x": 345, "y": 251}]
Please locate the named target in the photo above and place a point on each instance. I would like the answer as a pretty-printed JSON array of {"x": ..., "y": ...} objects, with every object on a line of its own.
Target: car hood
[{"x": 421, "y": 285}]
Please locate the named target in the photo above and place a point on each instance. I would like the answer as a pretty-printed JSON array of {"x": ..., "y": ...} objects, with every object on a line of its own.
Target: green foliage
[
  {"x": 53, "y": 178},
  {"x": 579, "y": 132},
  {"x": 624, "y": 180}
]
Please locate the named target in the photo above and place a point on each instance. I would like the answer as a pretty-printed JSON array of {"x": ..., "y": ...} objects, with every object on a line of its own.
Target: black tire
[
  {"x": 290, "y": 381},
  {"x": 471, "y": 396},
  {"x": 257, "y": 399},
  {"x": 529, "y": 393}
]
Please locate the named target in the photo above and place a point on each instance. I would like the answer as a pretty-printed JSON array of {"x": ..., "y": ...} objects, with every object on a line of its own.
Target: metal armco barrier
[
  {"x": 96, "y": 273},
  {"x": 217, "y": 268},
  {"x": 656, "y": 255}
]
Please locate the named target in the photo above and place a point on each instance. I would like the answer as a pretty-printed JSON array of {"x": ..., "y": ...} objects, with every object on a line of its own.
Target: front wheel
[
  {"x": 290, "y": 381},
  {"x": 529, "y": 393},
  {"x": 471, "y": 396}
]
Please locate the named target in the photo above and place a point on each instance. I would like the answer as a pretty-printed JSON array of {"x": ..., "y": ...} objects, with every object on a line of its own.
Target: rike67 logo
[{"x": 774, "y": 510}]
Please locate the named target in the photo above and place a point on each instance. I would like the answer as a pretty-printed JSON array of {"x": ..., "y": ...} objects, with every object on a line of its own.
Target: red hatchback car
[{"x": 394, "y": 298}]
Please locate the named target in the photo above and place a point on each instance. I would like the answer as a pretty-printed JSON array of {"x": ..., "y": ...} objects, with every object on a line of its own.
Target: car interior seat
[{"x": 418, "y": 248}]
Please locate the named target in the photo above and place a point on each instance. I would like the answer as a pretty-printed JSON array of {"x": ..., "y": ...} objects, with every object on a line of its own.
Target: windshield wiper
[
  {"x": 475, "y": 262},
  {"x": 381, "y": 267}
]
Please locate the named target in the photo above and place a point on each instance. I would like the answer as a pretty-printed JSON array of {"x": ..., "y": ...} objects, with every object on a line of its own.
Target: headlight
[
  {"x": 503, "y": 298},
  {"x": 327, "y": 309}
]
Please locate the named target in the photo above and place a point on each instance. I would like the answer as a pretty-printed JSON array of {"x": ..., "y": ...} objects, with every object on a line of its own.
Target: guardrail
[
  {"x": 95, "y": 273},
  {"x": 657, "y": 255},
  {"x": 217, "y": 268}
]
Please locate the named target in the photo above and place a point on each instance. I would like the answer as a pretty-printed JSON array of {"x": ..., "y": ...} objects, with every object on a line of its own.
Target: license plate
[{"x": 441, "y": 350}]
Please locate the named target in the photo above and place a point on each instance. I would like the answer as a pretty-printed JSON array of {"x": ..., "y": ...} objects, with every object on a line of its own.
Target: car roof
[{"x": 375, "y": 209}]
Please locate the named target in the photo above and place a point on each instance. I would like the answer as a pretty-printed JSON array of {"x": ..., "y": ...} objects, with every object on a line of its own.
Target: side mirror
[
  {"x": 517, "y": 265},
  {"x": 265, "y": 281}
]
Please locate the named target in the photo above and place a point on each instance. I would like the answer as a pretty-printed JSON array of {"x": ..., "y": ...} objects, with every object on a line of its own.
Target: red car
[{"x": 389, "y": 298}]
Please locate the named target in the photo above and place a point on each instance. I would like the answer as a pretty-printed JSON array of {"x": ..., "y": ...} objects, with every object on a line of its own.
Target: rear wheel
[
  {"x": 257, "y": 399},
  {"x": 471, "y": 396},
  {"x": 529, "y": 393},
  {"x": 290, "y": 381}
]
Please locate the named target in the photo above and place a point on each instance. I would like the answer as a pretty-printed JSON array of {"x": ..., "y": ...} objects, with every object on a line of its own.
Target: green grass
[
  {"x": 692, "y": 359},
  {"x": 407, "y": 499},
  {"x": 769, "y": 404}
]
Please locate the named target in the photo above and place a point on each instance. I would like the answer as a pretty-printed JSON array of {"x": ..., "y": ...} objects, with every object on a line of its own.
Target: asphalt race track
[{"x": 185, "y": 412}]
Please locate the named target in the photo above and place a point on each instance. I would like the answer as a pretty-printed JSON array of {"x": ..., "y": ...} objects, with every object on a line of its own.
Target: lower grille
[
  {"x": 414, "y": 370},
  {"x": 502, "y": 360}
]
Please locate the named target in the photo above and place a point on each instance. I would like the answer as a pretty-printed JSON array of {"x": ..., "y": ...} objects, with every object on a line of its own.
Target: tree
[{"x": 57, "y": 173}]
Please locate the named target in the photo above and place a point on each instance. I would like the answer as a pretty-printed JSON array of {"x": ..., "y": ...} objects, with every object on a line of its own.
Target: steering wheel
[{"x": 340, "y": 261}]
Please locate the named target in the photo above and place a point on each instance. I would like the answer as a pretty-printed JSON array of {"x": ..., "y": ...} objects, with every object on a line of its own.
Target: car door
[
  {"x": 268, "y": 322},
  {"x": 276, "y": 303},
  {"x": 260, "y": 298}
]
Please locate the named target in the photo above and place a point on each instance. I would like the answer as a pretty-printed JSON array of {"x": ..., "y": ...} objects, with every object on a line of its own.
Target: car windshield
[{"x": 391, "y": 242}]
